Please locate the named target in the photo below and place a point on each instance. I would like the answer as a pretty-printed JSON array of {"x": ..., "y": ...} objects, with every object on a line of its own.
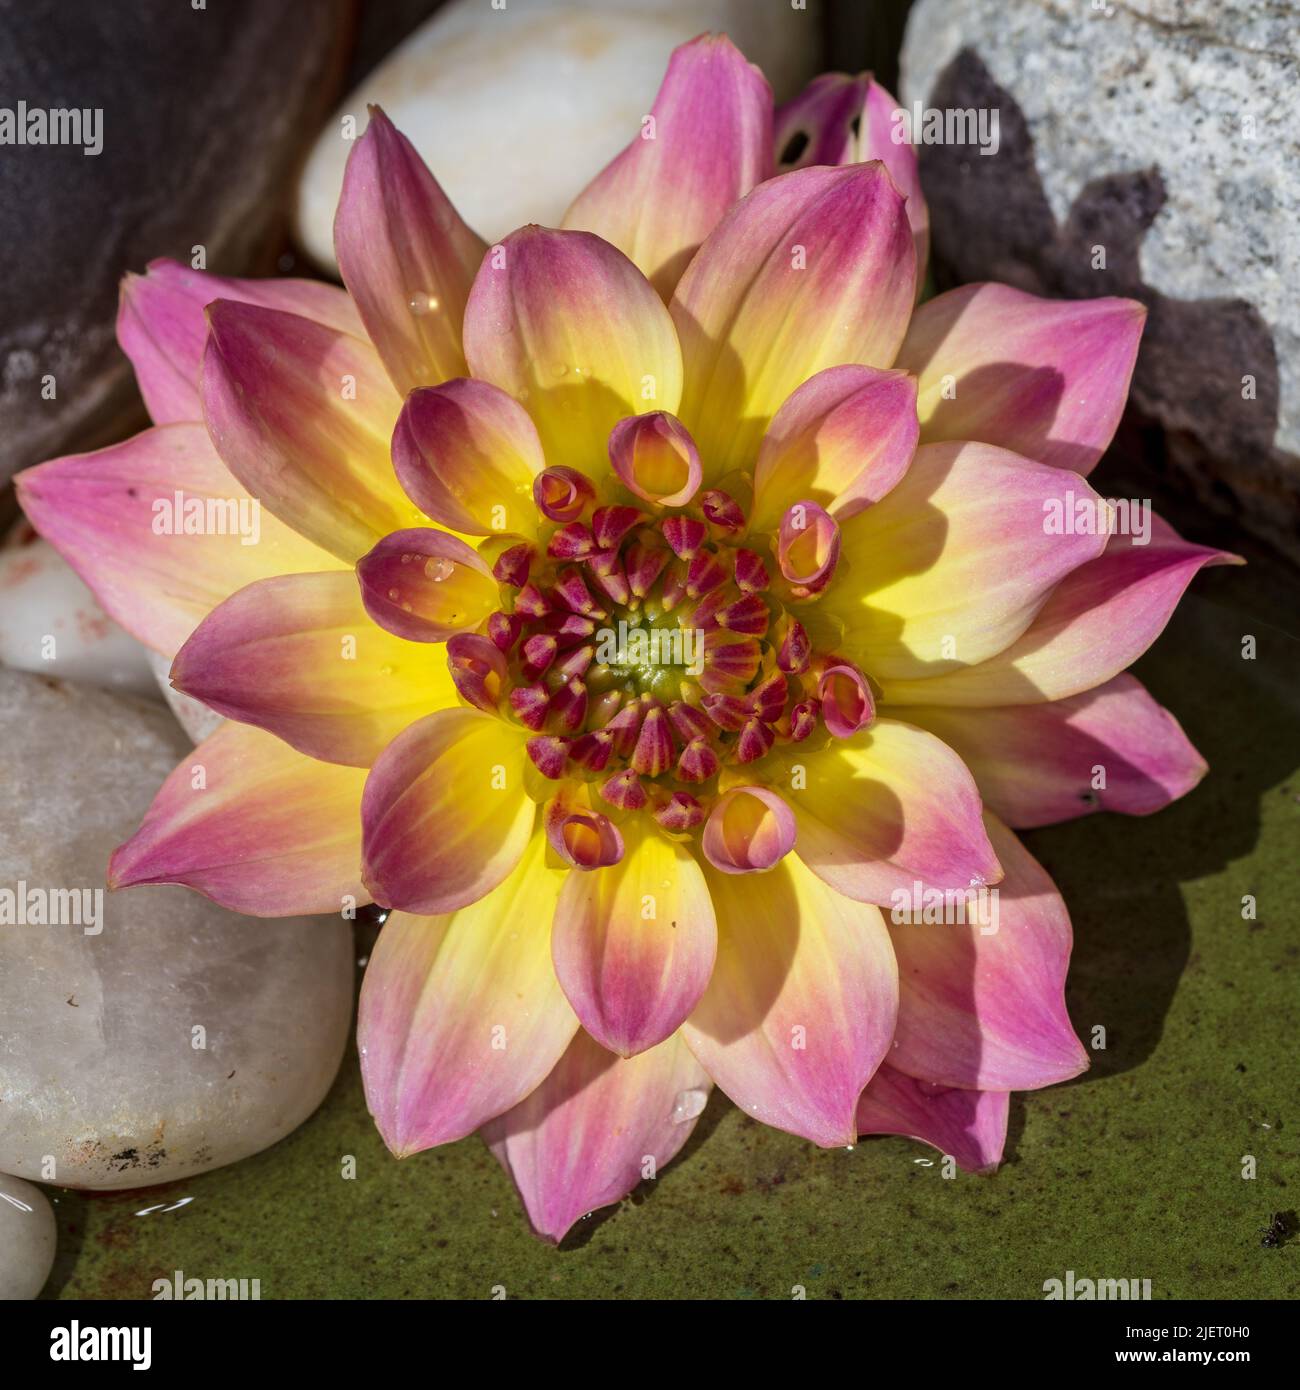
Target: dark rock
[{"x": 206, "y": 113}]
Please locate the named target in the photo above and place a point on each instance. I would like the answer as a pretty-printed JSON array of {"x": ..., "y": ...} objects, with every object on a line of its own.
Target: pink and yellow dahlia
[{"x": 640, "y": 607}]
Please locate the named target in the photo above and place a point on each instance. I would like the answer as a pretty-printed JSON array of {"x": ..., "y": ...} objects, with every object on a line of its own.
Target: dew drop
[
  {"x": 438, "y": 568},
  {"x": 394, "y": 594},
  {"x": 421, "y": 303}
]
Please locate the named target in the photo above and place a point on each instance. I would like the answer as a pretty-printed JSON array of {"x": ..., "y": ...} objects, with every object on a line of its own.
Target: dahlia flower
[{"x": 640, "y": 608}]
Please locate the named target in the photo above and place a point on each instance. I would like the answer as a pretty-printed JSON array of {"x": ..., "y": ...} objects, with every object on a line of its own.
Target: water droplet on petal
[
  {"x": 421, "y": 303},
  {"x": 438, "y": 568}
]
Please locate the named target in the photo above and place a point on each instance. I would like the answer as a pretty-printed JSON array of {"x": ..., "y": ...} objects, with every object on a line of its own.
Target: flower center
[
  {"x": 645, "y": 651},
  {"x": 650, "y": 644}
]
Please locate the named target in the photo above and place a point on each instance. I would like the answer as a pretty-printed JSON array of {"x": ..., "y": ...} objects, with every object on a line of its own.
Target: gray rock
[
  {"x": 28, "y": 1239},
  {"x": 1168, "y": 132},
  {"x": 181, "y": 1036},
  {"x": 204, "y": 112}
]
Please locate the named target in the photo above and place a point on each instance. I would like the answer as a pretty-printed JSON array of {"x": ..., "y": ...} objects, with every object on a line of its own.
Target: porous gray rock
[
  {"x": 161, "y": 1035},
  {"x": 1166, "y": 133}
]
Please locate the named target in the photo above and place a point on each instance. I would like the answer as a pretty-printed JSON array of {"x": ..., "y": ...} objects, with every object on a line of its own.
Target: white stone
[
  {"x": 51, "y": 624},
  {"x": 193, "y": 715},
  {"x": 27, "y": 1239},
  {"x": 516, "y": 109},
  {"x": 182, "y": 1036}
]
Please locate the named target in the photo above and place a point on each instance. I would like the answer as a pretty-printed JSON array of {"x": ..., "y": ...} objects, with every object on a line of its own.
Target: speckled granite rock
[
  {"x": 179, "y": 1036},
  {"x": 1167, "y": 132},
  {"x": 28, "y": 1239},
  {"x": 204, "y": 113},
  {"x": 515, "y": 109}
]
